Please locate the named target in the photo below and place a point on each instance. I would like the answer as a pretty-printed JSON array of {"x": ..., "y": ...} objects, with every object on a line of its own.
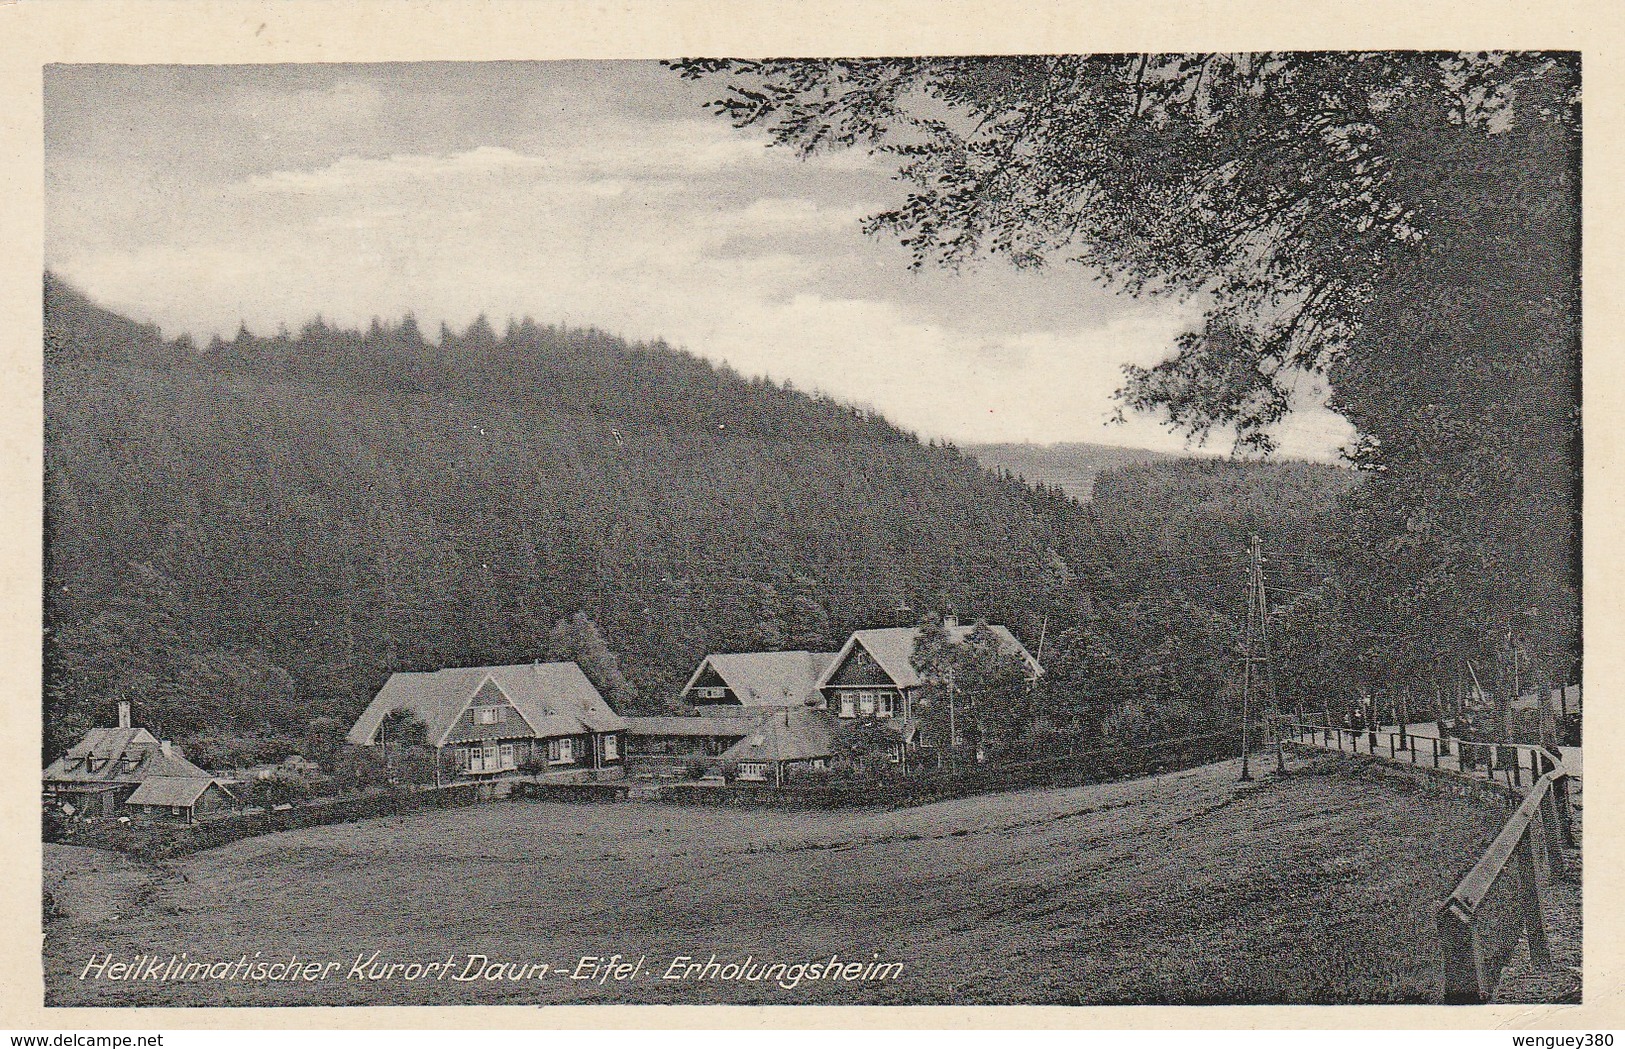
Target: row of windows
[
  {"x": 880, "y": 703},
  {"x": 500, "y": 757}
]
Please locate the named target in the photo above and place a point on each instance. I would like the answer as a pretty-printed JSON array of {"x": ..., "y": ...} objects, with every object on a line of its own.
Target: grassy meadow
[{"x": 1319, "y": 886}]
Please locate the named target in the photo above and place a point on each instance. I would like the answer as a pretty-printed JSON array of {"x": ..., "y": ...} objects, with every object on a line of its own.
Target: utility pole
[
  {"x": 1248, "y": 657},
  {"x": 1257, "y": 648}
]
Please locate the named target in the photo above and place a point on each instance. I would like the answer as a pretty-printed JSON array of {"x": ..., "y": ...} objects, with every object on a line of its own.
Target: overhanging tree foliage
[{"x": 1403, "y": 225}]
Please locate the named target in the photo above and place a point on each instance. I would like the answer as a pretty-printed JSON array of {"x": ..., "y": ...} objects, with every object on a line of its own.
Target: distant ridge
[{"x": 1071, "y": 467}]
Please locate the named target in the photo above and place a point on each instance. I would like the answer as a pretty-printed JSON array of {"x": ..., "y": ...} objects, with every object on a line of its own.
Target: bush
[
  {"x": 279, "y": 788},
  {"x": 355, "y": 769}
]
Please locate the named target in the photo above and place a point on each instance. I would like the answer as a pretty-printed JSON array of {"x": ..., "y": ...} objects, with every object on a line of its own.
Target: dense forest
[
  {"x": 248, "y": 535},
  {"x": 251, "y": 533}
]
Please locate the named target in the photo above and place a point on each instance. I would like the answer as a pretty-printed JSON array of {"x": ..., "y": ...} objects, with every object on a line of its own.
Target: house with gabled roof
[
  {"x": 100, "y": 774},
  {"x": 757, "y": 679},
  {"x": 873, "y": 674},
  {"x": 497, "y": 720}
]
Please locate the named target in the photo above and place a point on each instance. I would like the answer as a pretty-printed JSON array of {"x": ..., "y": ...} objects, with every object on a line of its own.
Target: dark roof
[
  {"x": 893, "y": 649},
  {"x": 555, "y": 699},
  {"x": 768, "y": 679},
  {"x": 785, "y": 735},
  {"x": 119, "y": 755},
  {"x": 690, "y": 726},
  {"x": 172, "y": 790}
]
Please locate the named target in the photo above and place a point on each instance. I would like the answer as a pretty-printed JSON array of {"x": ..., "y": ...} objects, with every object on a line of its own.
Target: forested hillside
[
  {"x": 244, "y": 536},
  {"x": 247, "y": 534},
  {"x": 1070, "y": 466}
]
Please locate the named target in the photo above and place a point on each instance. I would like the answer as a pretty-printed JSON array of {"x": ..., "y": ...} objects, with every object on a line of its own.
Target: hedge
[
  {"x": 152, "y": 840},
  {"x": 1071, "y": 770}
]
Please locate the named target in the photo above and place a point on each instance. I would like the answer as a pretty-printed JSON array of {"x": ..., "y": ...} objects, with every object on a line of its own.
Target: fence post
[
  {"x": 1534, "y": 921},
  {"x": 1564, "y": 811},
  {"x": 1551, "y": 824},
  {"x": 1435, "y": 753},
  {"x": 1465, "y": 981}
]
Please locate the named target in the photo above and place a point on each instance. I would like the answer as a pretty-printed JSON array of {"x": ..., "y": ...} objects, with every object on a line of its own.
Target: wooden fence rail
[
  {"x": 1497, "y": 905},
  {"x": 1474, "y": 929}
]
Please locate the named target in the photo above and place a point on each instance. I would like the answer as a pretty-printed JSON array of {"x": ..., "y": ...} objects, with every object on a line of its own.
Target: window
[
  {"x": 752, "y": 770},
  {"x": 710, "y": 692},
  {"x": 507, "y": 755},
  {"x": 560, "y": 751},
  {"x": 848, "y": 705},
  {"x": 490, "y": 715},
  {"x": 884, "y": 705},
  {"x": 611, "y": 748},
  {"x": 866, "y": 702}
]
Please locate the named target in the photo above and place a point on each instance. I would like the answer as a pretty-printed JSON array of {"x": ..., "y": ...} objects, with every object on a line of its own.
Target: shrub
[{"x": 52, "y": 825}]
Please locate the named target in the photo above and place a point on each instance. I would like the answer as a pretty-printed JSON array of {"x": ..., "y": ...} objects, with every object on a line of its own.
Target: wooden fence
[
  {"x": 1498, "y": 902},
  {"x": 1514, "y": 764},
  {"x": 1497, "y": 905}
]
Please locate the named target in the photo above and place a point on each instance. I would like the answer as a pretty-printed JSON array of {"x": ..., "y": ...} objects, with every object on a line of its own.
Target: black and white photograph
[{"x": 1063, "y": 528}]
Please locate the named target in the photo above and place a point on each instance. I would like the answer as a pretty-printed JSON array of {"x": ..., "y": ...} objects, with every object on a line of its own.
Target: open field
[{"x": 1317, "y": 887}]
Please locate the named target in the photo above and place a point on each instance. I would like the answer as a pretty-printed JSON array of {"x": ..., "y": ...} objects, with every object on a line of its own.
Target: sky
[{"x": 588, "y": 193}]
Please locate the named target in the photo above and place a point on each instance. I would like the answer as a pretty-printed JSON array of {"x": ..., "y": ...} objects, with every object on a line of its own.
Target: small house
[
  {"x": 99, "y": 774},
  {"x": 780, "y": 742},
  {"x": 763, "y": 745},
  {"x": 185, "y": 799}
]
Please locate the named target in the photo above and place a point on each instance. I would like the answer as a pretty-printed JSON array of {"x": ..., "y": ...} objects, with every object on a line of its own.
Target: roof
[
  {"x": 172, "y": 790},
  {"x": 785, "y": 735},
  {"x": 119, "y": 755},
  {"x": 555, "y": 699},
  {"x": 690, "y": 726},
  {"x": 893, "y": 649},
  {"x": 768, "y": 679}
]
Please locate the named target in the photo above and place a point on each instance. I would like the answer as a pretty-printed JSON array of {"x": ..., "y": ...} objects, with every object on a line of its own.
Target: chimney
[
  {"x": 168, "y": 750},
  {"x": 123, "y": 713}
]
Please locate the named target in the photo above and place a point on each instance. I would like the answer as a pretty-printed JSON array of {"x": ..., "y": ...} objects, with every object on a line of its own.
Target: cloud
[{"x": 649, "y": 226}]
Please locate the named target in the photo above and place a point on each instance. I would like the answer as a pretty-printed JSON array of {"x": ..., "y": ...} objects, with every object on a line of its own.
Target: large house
[
  {"x": 112, "y": 771},
  {"x": 762, "y": 744},
  {"x": 757, "y": 679},
  {"x": 873, "y": 674},
  {"x": 496, "y": 720}
]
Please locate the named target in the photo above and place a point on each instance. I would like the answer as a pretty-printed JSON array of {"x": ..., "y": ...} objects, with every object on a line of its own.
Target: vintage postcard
[{"x": 955, "y": 509}]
